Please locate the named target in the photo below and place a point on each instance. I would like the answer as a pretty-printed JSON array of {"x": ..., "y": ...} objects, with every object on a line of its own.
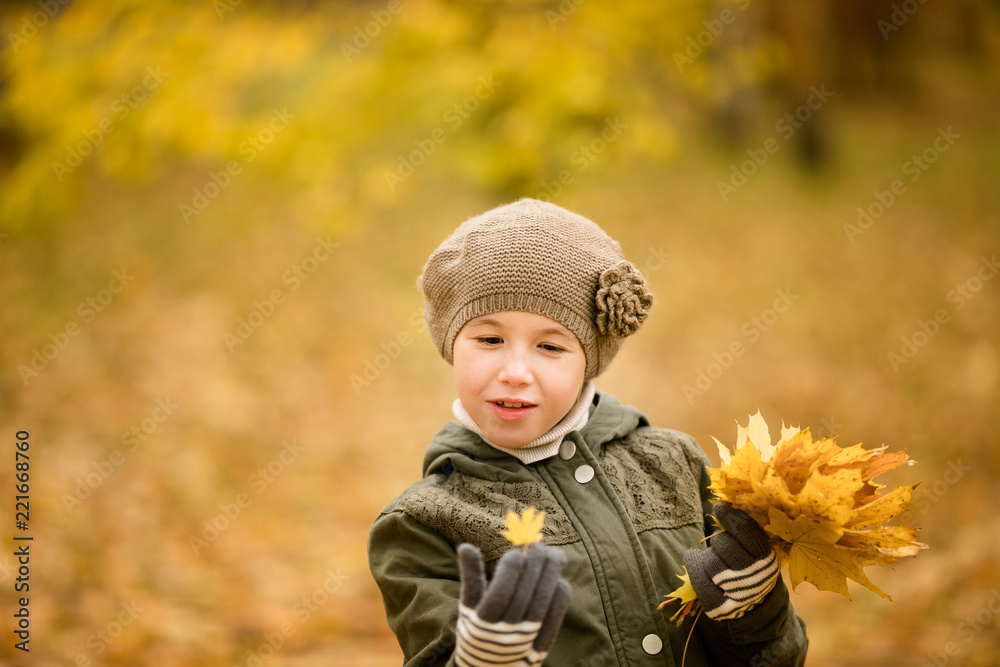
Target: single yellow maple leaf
[
  {"x": 881, "y": 508},
  {"x": 523, "y": 529},
  {"x": 828, "y": 567},
  {"x": 812, "y": 529},
  {"x": 890, "y": 541},
  {"x": 830, "y": 496},
  {"x": 756, "y": 434},
  {"x": 685, "y": 595},
  {"x": 787, "y": 432}
]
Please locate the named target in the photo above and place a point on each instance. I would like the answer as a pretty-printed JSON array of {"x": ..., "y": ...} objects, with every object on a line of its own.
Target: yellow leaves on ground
[
  {"x": 817, "y": 502},
  {"x": 523, "y": 529}
]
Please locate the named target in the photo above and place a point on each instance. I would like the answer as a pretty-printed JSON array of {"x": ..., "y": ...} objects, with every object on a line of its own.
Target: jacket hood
[{"x": 456, "y": 446}]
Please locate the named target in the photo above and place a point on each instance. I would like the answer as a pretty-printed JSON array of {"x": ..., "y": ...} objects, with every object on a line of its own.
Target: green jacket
[{"x": 624, "y": 533}]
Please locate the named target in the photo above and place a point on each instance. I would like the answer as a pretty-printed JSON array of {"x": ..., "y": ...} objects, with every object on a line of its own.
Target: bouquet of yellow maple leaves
[{"x": 818, "y": 503}]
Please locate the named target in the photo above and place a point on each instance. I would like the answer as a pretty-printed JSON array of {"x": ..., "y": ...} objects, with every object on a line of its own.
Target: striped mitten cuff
[
  {"x": 483, "y": 644},
  {"x": 737, "y": 571},
  {"x": 513, "y": 621}
]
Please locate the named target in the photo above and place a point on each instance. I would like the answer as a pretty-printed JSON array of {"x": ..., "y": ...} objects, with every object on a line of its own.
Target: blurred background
[{"x": 213, "y": 214}]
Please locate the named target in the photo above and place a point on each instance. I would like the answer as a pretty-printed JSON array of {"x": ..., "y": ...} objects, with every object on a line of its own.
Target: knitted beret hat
[{"x": 537, "y": 257}]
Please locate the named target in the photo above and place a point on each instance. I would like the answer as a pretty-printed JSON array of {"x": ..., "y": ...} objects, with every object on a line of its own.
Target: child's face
[{"x": 517, "y": 357}]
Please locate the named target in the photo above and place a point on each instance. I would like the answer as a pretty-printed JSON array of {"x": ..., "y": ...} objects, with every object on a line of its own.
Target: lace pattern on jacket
[
  {"x": 468, "y": 509},
  {"x": 650, "y": 473},
  {"x": 653, "y": 478}
]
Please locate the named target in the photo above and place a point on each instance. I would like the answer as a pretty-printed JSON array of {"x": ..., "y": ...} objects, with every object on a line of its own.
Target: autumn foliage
[
  {"x": 819, "y": 503},
  {"x": 201, "y": 81}
]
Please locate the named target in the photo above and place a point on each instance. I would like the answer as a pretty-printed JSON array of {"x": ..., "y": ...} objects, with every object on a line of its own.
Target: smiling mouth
[{"x": 512, "y": 411}]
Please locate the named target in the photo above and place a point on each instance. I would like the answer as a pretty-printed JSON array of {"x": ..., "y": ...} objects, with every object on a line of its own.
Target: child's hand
[
  {"x": 737, "y": 570},
  {"x": 513, "y": 621}
]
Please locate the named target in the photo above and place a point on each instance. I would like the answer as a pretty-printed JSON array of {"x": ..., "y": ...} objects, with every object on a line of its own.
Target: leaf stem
[{"x": 684, "y": 655}]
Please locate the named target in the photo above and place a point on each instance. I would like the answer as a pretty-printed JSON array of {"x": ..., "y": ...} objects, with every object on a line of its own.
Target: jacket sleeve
[
  {"x": 417, "y": 571},
  {"x": 769, "y": 635}
]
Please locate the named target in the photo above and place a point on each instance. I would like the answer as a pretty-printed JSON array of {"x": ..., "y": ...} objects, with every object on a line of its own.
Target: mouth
[
  {"x": 511, "y": 410},
  {"x": 513, "y": 404}
]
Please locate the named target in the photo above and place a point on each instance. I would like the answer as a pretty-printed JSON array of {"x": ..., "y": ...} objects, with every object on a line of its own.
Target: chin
[
  {"x": 513, "y": 443},
  {"x": 516, "y": 445}
]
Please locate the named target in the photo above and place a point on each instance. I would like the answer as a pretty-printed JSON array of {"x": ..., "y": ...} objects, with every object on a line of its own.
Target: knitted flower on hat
[
  {"x": 623, "y": 302},
  {"x": 537, "y": 257}
]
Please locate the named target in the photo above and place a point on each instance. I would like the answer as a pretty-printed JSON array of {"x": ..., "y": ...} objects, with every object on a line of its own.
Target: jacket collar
[{"x": 455, "y": 446}]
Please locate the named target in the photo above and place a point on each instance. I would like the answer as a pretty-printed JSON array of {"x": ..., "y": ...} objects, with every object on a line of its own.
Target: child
[{"x": 530, "y": 302}]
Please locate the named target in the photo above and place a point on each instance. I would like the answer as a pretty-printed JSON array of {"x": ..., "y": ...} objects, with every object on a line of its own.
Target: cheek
[
  {"x": 469, "y": 370},
  {"x": 462, "y": 375},
  {"x": 576, "y": 370},
  {"x": 571, "y": 391},
  {"x": 567, "y": 384}
]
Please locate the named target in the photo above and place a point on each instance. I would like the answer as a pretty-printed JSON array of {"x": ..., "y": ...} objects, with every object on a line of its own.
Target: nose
[{"x": 515, "y": 370}]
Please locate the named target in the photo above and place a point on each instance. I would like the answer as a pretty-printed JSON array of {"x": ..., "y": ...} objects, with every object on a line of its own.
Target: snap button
[
  {"x": 584, "y": 474},
  {"x": 652, "y": 644},
  {"x": 567, "y": 449}
]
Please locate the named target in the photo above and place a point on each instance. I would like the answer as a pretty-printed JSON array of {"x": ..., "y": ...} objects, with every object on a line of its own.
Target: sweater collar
[
  {"x": 608, "y": 419},
  {"x": 545, "y": 445}
]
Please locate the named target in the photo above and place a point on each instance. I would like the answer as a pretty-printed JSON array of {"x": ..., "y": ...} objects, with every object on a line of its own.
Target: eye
[
  {"x": 551, "y": 348},
  {"x": 489, "y": 340}
]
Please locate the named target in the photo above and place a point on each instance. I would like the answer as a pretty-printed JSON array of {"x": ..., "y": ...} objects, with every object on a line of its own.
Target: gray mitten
[
  {"x": 513, "y": 621},
  {"x": 738, "y": 569}
]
